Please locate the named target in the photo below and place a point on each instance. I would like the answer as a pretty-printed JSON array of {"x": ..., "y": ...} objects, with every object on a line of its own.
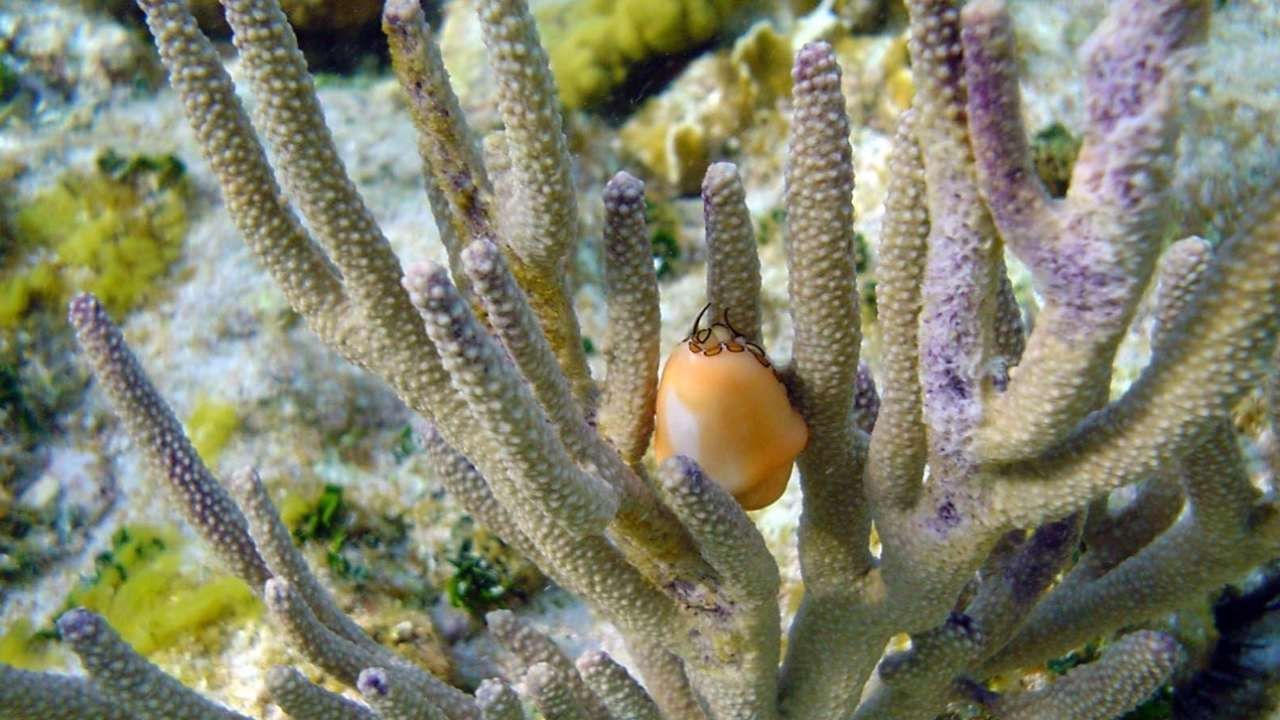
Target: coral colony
[{"x": 982, "y": 452}]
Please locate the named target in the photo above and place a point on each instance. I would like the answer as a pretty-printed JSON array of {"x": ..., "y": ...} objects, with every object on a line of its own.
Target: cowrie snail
[{"x": 721, "y": 403}]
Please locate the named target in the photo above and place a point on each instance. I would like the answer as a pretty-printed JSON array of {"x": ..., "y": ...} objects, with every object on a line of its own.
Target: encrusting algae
[
  {"x": 145, "y": 587},
  {"x": 593, "y": 45},
  {"x": 211, "y": 425},
  {"x": 114, "y": 230}
]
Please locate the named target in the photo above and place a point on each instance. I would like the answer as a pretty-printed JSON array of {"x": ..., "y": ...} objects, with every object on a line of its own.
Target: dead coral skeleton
[{"x": 990, "y": 458}]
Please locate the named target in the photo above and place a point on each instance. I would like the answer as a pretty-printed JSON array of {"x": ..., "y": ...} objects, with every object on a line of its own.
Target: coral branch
[
  {"x": 631, "y": 343},
  {"x": 739, "y": 682},
  {"x": 456, "y": 180},
  {"x": 27, "y": 695},
  {"x": 393, "y": 698},
  {"x": 346, "y": 660},
  {"x": 666, "y": 680},
  {"x": 541, "y": 172},
  {"x": 610, "y": 681},
  {"x": 835, "y": 525},
  {"x": 1092, "y": 254},
  {"x": 127, "y": 679},
  {"x": 498, "y": 701},
  {"x": 461, "y": 479},
  {"x": 285, "y": 561},
  {"x": 1213, "y": 355},
  {"x": 733, "y": 267},
  {"x": 553, "y": 698},
  {"x": 824, "y": 309},
  {"x": 301, "y": 699},
  {"x": 1128, "y": 672},
  {"x": 306, "y": 157},
  {"x": 513, "y": 323},
  {"x": 159, "y": 435},
  {"x": 895, "y": 467},
  {"x": 1225, "y": 529},
  {"x": 503, "y": 404},
  {"x": 249, "y": 188},
  {"x": 1182, "y": 270},
  {"x": 973, "y": 434},
  {"x": 531, "y": 648}
]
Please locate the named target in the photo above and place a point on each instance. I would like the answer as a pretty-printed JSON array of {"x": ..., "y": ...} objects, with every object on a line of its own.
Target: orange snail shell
[{"x": 720, "y": 403}]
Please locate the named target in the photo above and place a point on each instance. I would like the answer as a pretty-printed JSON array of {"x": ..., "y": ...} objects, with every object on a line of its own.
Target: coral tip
[{"x": 721, "y": 404}]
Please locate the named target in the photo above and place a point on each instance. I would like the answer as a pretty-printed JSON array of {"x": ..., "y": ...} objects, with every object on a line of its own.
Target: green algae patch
[
  {"x": 113, "y": 231},
  {"x": 1053, "y": 153},
  {"x": 25, "y": 648},
  {"x": 363, "y": 545},
  {"x": 664, "y": 236},
  {"x": 142, "y": 587},
  {"x": 325, "y": 519},
  {"x": 211, "y": 424},
  {"x": 319, "y": 518},
  {"x": 487, "y": 573},
  {"x": 40, "y": 382}
]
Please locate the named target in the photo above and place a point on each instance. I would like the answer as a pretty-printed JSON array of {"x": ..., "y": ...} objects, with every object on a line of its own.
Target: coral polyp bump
[{"x": 721, "y": 404}]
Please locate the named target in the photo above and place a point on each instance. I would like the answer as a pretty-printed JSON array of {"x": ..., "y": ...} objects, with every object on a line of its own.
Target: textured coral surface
[{"x": 222, "y": 335}]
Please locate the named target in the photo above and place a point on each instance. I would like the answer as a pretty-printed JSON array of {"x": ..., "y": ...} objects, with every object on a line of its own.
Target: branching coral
[{"x": 992, "y": 453}]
